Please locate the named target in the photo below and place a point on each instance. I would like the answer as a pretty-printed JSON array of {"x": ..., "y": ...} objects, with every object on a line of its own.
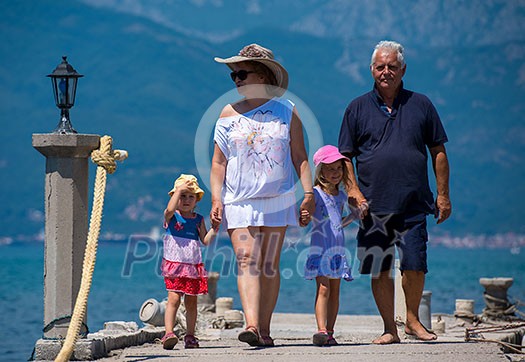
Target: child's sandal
[
  {"x": 331, "y": 340},
  {"x": 169, "y": 341},
  {"x": 190, "y": 341}
]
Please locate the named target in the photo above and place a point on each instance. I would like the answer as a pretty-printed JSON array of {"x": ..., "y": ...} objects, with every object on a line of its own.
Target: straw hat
[
  {"x": 193, "y": 185},
  {"x": 256, "y": 53}
]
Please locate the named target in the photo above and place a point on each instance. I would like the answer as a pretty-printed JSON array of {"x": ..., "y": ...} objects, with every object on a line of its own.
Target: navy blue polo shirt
[{"x": 391, "y": 149}]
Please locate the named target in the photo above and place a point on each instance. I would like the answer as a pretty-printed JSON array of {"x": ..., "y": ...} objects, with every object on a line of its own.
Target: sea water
[{"x": 126, "y": 274}]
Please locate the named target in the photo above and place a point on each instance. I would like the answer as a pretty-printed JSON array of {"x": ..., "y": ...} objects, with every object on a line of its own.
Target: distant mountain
[
  {"x": 415, "y": 22},
  {"x": 150, "y": 79}
]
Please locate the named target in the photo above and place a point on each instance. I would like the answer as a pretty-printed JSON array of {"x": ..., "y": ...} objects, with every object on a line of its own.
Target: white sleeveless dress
[{"x": 259, "y": 185}]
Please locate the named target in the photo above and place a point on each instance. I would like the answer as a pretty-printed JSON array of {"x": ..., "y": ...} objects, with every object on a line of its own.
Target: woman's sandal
[
  {"x": 190, "y": 341},
  {"x": 169, "y": 341},
  {"x": 251, "y": 336},
  {"x": 267, "y": 341},
  {"x": 320, "y": 338}
]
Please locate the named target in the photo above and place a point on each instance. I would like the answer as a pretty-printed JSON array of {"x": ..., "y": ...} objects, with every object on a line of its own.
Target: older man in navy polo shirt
[{"x": 388, "y": 131}]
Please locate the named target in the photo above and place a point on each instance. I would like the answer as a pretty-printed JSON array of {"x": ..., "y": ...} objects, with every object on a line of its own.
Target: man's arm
[
  {"x": 347, "y": 145},
  {"x": 441, "y": 170},
  {"x": 356, "y": 200}
]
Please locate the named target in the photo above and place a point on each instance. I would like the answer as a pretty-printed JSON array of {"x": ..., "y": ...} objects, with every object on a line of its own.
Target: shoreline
[{"x": 510, "y": 240}]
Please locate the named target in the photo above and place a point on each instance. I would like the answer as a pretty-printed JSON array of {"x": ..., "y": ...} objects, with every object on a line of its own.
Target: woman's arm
[
  {"x": 217, "y": 174},
  {"x": 302, "y": 167}
]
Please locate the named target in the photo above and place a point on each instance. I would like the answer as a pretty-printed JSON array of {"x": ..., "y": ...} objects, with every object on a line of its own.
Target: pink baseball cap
[{"x": 328, "y": 154}]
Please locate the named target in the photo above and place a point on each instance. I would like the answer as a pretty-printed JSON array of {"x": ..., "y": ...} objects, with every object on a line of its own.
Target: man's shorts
[{"x": 379, "y": 235}]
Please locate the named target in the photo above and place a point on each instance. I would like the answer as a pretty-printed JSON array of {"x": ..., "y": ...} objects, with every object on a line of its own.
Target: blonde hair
[{"x": 319, "y": 180}]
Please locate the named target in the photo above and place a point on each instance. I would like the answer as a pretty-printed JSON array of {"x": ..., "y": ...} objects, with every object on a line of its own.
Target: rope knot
[{"x": 106, "y": 157}]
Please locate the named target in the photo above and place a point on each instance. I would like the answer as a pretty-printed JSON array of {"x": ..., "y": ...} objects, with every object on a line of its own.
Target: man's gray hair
[{"x": 391, "y": 46}]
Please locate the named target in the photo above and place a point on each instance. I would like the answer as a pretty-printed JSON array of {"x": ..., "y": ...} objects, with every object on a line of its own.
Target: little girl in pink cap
[{"x": 327, "y": 262}]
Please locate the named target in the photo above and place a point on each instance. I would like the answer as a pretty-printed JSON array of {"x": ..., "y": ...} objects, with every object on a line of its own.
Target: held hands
[
  {"x": 443, "y": 208},
  {"x": 307, "y": 209},
  {"x": 357, "y": 203},
  {"x": 216, "y": 214},
  {"x": 304, "y": 218},
  {"x": 361, "y": 211}
]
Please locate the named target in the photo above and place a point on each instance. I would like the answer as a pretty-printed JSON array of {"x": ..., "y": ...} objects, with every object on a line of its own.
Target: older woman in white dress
[{"x": 258, "y": 145}]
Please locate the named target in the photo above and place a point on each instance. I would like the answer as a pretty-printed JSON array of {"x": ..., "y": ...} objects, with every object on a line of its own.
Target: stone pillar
[
  {"x": 66, "y": 222},
  {"x": 425, "y": 309},
  {"x": 496, "y": 295},
  {"x": 464, "y": 312}
]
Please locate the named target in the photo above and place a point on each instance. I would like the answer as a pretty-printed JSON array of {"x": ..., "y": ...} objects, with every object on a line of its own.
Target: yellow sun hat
[{"x": 193, "y": 185}]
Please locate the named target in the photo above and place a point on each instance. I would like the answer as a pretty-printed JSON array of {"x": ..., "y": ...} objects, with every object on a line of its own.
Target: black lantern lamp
[{"x": 64, "y": 79}]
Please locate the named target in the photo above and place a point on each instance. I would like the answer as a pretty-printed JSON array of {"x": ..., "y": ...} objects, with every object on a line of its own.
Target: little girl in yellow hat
[{"x": 182, "y": 266}]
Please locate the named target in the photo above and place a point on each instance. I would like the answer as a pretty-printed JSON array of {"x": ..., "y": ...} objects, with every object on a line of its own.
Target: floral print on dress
[
  {"x": 260, "y": 142},
  {"x": 178, "y": 226}
]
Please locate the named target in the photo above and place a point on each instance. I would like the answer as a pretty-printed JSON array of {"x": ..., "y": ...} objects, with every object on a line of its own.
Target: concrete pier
[{"x": 293, "y": 340}]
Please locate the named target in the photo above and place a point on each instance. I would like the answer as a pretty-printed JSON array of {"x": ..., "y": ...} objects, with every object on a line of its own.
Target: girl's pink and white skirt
[{"x": 191, "y": 279}]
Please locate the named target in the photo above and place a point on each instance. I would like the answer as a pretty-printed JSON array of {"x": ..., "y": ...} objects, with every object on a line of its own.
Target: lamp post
[
  {"x": 64, "y": 79},
  {"x": 66, "y": 206}
]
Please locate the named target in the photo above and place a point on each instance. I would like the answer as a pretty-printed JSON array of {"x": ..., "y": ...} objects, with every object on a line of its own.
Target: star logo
[
  {"x": 291, "y": 244},
  {"x": 399, "y": 237},
  {"x": 353, "y": 216},
  {"x": 379, "y": 224}
]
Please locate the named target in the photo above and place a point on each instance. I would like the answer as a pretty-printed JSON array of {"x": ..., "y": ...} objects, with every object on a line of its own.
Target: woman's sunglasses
[{"x": 241, "y": 74}]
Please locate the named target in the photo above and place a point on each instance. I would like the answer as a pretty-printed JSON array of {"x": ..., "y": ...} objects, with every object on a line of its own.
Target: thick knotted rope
[
  {"x": 497, "y": 308},
  {"x": 105, "y": 158}
]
